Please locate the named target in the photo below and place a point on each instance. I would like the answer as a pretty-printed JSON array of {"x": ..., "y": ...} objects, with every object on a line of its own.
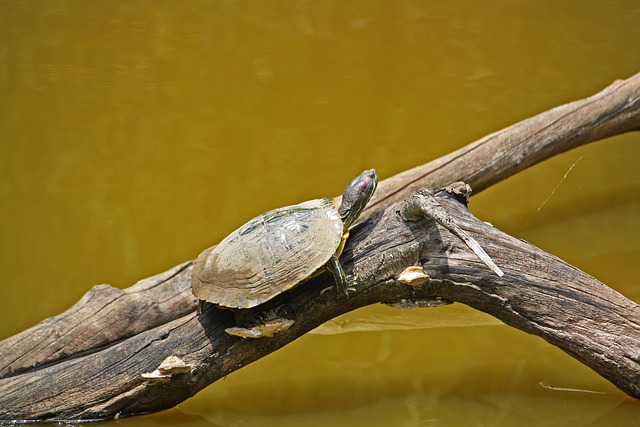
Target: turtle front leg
[{"x": 344, "y": 283}]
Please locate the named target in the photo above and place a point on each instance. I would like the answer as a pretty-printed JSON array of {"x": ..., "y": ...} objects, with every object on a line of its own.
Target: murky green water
[{"x": 135, "y": 133}]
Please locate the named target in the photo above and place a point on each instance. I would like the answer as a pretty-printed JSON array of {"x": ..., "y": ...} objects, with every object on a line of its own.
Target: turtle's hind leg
[
  {"x": 344, "y": 283},
  {"x": 202, "y": 304}
]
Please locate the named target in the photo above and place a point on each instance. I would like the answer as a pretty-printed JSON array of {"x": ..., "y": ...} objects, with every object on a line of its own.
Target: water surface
[{"x": 133, "y": 134}]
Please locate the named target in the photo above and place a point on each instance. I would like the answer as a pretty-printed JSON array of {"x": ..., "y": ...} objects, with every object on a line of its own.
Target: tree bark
[{"x": 88, "y": 363}]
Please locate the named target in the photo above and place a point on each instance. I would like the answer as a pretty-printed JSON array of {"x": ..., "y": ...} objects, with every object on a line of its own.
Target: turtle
[{"x": 280, "y": 249}]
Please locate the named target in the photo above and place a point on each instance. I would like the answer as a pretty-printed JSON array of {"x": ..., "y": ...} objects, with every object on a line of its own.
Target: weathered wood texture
[{"x": 87, "y": 363}]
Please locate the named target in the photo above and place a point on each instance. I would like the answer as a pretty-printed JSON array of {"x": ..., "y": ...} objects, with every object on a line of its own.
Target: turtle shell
[{"x": 268, "y": 255}]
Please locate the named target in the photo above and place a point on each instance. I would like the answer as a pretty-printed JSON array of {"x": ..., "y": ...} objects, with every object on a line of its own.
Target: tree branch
[{"x": 88, "y": 363}]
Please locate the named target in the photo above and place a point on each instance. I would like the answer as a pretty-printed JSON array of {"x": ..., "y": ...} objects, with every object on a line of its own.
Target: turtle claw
[
  {"x": 348, "y": 287},
  {"x": 350, "y": 290},
  {"x": 345, "y": 283}
]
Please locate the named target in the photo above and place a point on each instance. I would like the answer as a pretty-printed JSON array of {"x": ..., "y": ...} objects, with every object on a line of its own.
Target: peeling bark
[{"x": 88, "y": 363}]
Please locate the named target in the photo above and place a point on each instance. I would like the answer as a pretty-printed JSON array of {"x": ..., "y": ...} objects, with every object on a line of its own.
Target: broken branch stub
[{"x": 424, "y": 204}]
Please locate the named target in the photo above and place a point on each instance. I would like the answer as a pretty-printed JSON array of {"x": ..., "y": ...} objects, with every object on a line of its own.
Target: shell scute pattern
[{"x": 272, "y": 253}]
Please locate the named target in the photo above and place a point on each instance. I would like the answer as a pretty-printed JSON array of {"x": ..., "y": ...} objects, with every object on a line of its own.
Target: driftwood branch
[{"x": 88, "y": 363}]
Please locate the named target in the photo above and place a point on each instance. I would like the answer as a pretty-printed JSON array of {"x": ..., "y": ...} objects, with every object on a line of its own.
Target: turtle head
[{"x": 356, "y": 196}]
